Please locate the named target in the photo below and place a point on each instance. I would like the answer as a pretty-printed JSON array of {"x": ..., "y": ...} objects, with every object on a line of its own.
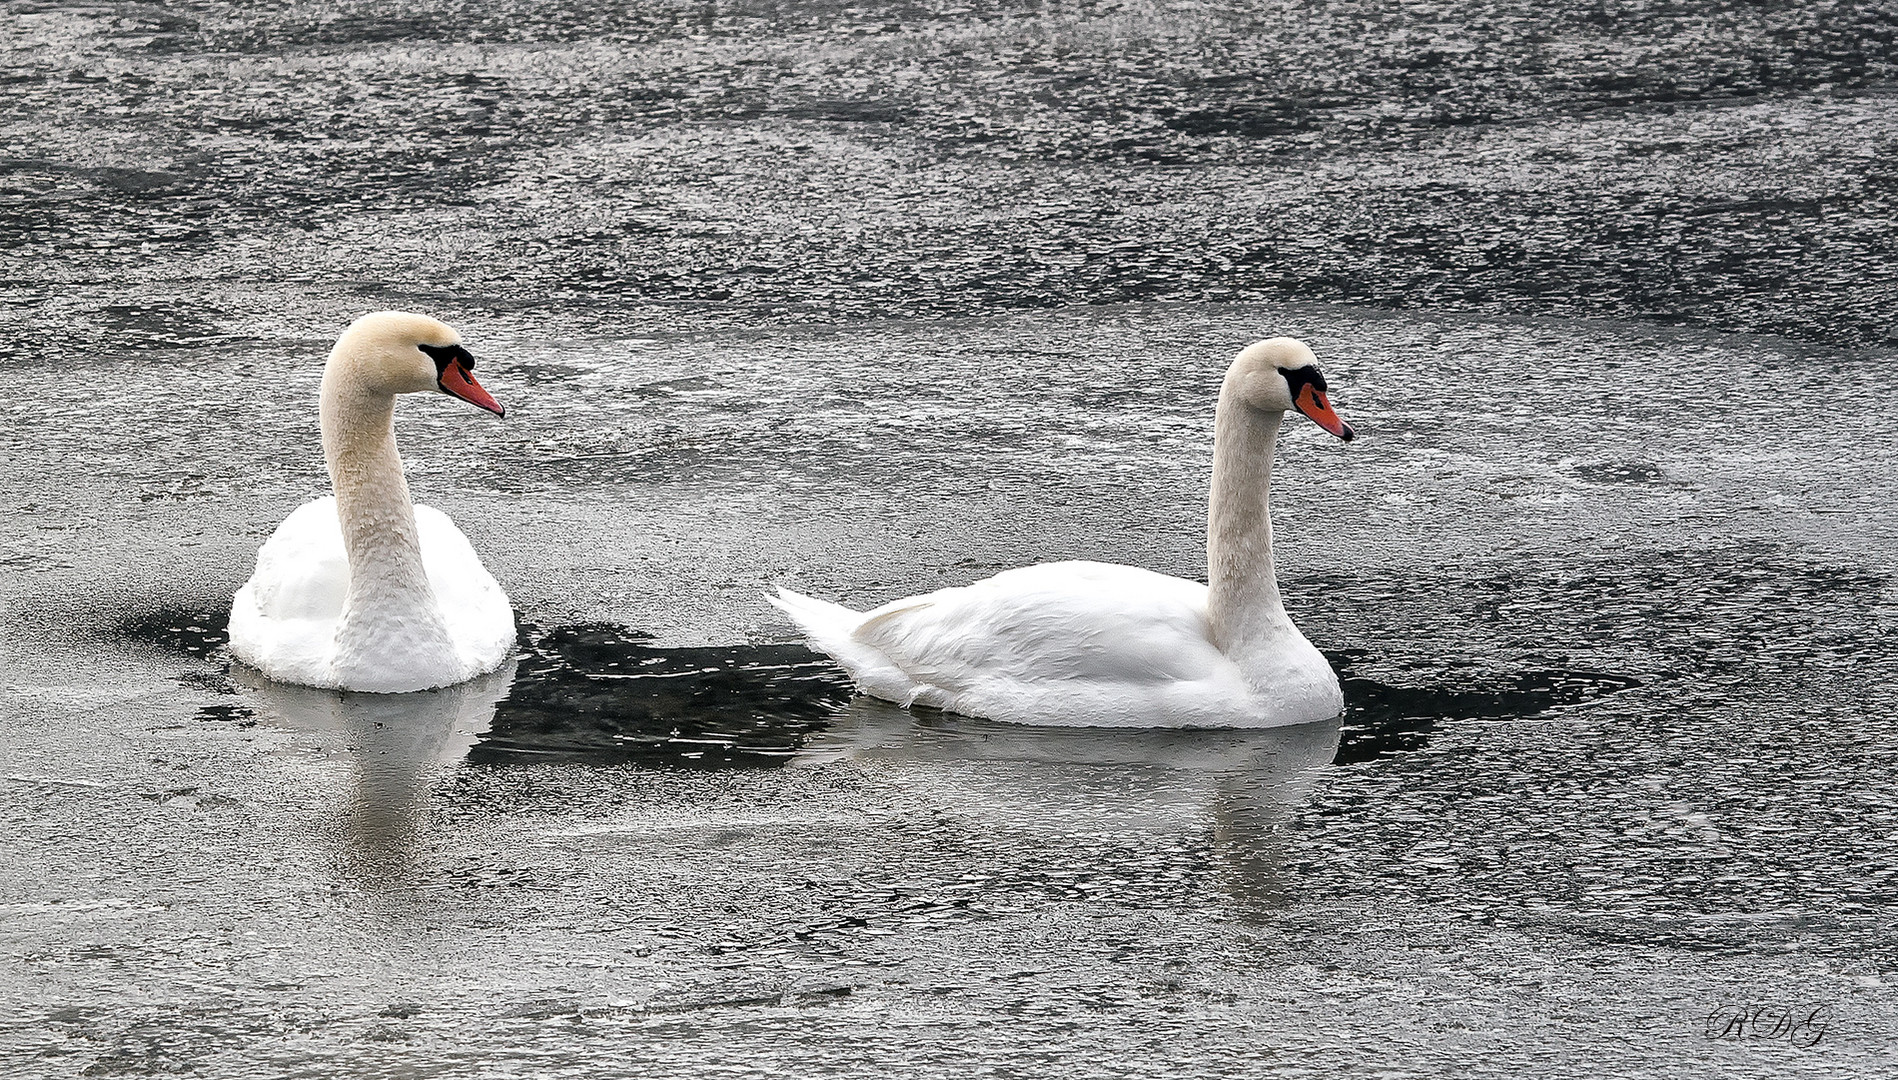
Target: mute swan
[
  {"x": 363, "y": 590},
  {"x": 1094, "y": 644}
]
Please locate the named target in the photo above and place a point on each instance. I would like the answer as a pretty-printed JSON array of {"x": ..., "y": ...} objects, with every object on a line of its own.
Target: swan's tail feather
[
  {"x": 831, "y": 629},
  {"x": 815, "y": 616},
  {"x": 827, "y": 626}
]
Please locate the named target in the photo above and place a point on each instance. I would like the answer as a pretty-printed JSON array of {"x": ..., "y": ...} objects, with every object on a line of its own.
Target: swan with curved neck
[
  {"x": 1097, "y": 644},
  {"x": 365, "y": 590}
]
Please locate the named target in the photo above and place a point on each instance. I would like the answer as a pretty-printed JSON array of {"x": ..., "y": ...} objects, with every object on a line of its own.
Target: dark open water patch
[
  {"x": 600, "y": 693},
  {"x": 592, "y": 693},
  {"x": 1380, "y": 719},
  {"x": 195, "y": 632}
]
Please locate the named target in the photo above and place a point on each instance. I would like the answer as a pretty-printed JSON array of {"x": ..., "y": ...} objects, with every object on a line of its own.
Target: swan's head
[
  {"x": 395, "y": 352},
  {"x": 1281, "y": 374}
]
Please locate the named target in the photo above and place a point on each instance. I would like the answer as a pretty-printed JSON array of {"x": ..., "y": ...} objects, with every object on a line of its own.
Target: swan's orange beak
[
  {"x": 458, "y": 381},
  {"x": 1313, "y": 403}
]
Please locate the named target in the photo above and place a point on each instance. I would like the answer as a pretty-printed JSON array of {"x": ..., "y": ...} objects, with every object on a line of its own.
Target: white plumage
[
  {"x": 285, "y": 621},
  {"x": 1095, "y": 644},
  {"x": 364, "y": 590}
]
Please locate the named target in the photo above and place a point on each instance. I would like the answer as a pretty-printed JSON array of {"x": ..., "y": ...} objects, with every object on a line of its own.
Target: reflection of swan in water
[
  {"x": 397, "y": 744},
  {"x": 1238, "y": 784}
]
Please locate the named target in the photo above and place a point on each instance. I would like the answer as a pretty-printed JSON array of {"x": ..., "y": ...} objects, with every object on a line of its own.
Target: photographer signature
[{"x": 1800, "y": 1025}]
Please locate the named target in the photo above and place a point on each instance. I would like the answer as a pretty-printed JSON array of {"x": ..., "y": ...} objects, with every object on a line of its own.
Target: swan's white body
[
  {"x": 1079, "y": 643},
  {"x": 287, "y": 621},
  {"x": 366, "y": 591},
  {"x": 1094, "y": 644}
]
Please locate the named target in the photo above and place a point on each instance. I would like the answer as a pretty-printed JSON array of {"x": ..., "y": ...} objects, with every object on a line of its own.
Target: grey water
[{"x": 875, "y": 298}]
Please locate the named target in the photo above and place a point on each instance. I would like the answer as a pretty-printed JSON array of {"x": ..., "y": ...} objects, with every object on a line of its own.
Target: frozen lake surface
[
  {"x": 1613, "y": 605},
  {"x": 785, "y": 299}
]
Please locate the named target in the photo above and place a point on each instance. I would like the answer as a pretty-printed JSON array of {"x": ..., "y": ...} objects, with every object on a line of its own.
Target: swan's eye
[
  {"x": 444, "y": 355},
  {"x": 1309, "y": 375}
]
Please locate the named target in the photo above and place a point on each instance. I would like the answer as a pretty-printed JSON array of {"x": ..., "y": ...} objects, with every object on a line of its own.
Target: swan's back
[
  {"x": 1071, "y": 643},
  {"x": 1061, "y": 621}
]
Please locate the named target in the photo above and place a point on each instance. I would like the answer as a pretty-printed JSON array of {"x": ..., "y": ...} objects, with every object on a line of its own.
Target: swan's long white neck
[
  {"x": 390, "y": 599},
  {"x": 1248, "y": 620}
]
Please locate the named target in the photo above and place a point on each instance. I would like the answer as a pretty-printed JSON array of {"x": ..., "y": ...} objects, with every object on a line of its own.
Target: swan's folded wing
[
  {"x": 302, "y": 570},
  {"x": 1051, "y": 623},
  {"x": 283, "y": 621},
  {"x": 474, "y": 608}
]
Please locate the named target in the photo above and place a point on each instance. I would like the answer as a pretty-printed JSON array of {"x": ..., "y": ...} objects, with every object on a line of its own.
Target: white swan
[
  {"x": 366, "y": 591},
  {"x": 1093, "y": 644}
]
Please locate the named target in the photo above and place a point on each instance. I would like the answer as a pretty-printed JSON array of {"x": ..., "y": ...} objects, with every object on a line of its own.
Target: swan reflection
[
  {"x": 396, "y": 746},
  {"x": 594, "y": 696},
  {"x": 1239, "y": 786}
]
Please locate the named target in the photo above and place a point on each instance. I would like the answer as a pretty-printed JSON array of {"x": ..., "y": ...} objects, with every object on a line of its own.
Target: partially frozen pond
[
  {"x": 1613, "y": 606},
  {"x": 868, "y": 299}
]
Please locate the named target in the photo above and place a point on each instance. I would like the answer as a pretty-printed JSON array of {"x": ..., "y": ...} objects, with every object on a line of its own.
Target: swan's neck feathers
[
  {"x": 390, "y": 603},
  {"x": 1247, "y": 618}
]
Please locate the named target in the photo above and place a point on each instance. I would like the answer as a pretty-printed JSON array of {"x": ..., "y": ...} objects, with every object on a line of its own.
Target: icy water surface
[
  {"x": 1613, "y": 607},
  {"x": 1724, "y": 165},
  {"x": 872, "y": 299}
]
